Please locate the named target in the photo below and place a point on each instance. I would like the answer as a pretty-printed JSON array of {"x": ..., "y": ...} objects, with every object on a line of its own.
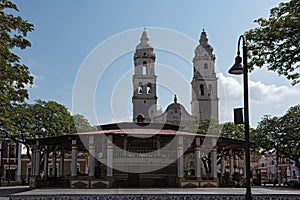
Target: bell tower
[
  {"x": 144, "y": 97},
  {"x": 204, "y": 103}
]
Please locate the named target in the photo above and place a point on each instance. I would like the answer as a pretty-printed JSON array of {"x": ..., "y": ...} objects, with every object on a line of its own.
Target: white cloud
[{"x": 259, "y": 92}]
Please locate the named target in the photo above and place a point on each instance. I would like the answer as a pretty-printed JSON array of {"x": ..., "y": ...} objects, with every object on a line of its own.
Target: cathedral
[
  {"x": 204, "y": 89},
  {"x": 151, "y": 151}
]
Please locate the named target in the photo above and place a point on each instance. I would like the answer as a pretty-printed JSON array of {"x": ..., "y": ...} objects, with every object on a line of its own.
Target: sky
[{"x": 69, "y": 33}]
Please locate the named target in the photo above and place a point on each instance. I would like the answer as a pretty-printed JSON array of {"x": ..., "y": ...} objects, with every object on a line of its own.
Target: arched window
[
  {"x": 201, "y": 89},
  {"x": 149, "y": 89},
  {"x": 140, "y": 88},
  {"x": 144, "y": 68}
]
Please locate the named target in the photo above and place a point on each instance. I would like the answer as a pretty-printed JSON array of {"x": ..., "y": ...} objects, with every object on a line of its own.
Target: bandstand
[{"x": 133, "y": 155}]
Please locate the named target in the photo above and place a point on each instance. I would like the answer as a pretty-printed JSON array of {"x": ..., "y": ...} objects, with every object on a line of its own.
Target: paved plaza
[{"x": 154, "y": 193}]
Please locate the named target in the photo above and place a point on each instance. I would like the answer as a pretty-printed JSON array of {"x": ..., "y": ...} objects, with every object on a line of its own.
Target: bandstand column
[
  {"x": 125, "y": 147},
  {"x": 244, "y": 165},
  {"x": 19, "y": 168},
  {"x": 222, "y": 162},
  {"x": 198, "y": 158},
  {"x": 158, "y": 146},
  {"x": 231, "y": 161},
  {"x": 74, "y": 159},
  {"x": 109, "y": 171},
  {"x": 91, "y": 156},
  {"x": 33, "y": 157},
  {"x": 35, "y": 166},
  {"x": 37, "y": 160},
  {"x": 54, "y": 171},
  {"x": 180, "y": 160},
  {"x": 214, "y": 162},
  {"x": 46, "y": 165},
  {"x": 62, "y": 163}
]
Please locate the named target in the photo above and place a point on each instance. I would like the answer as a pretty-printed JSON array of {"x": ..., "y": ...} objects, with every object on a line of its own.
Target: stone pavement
[{"x": 159, "y": 193}]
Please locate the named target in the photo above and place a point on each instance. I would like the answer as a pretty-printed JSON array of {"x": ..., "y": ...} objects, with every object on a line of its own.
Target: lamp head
[{"x": 237, "y": 68}]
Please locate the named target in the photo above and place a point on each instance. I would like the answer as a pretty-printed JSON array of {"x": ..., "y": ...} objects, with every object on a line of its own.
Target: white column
[
  {"x": 37, "y": 160},
  {"x": 198, "y": 158},
  {"x": 46, "y": 164},
  {"x": 33, "y": 158},
  {"x": 19, "y": 168},
  {"x": 244, "y": 164},
  {"x": 180, "y": 157},
  {"x": 91, "y": 156},
  {"x": 74, "y": 159},
  {"x": 109, "y": 156},
  {"x": 231, "y": 162},
  {"x": 222, "y": 162},
  {"x": 54, "y": 170},
  {"x": 125, "y": 146},
  {"x": 158, "y": 146},
  {"x": 214, "y": 162},
  {"x": 62, "y": 162}
]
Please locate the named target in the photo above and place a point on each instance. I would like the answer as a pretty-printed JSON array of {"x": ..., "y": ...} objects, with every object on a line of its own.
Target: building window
[
  {"x": 140, "y": 88},
  {"x": 144, "y": 68},
  {"x": 201, "y": 89},
  {"x": 149, "y": 88},
  {"x": 12, "y": 150},
  {"x": 205, "y": 66}
]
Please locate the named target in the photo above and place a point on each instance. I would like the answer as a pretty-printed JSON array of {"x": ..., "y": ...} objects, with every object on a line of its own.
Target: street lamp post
[
  {"x": 238, "y": 69},
  {"x": 8, "y": 176},
  {"x": 1, "y": 165}
]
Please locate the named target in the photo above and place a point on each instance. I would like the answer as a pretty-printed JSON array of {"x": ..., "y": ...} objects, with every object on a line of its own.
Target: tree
[
  {"x": 275, "y": 43},
  {"x": 14, "y": 76},
  {"x": 281, "y": 134},
  {"x": 42, "y": 119},
  {"x": 234, "y": 131},
  {"x": 210, "y": 127},
  {"x": 82, "y": 124}
]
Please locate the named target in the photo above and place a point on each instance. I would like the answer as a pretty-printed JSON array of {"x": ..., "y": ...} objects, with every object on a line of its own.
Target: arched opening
[
  {"x": 140, "y": 88},
  {"x": 201, "y": 89},
  {"x": 144, "y": 68},
  {"x": 149, "y": 89}
]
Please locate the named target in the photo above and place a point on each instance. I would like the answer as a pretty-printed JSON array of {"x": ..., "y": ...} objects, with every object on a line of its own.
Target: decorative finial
[
  {"x": 203, "y": 38},
  {"x": 175, "y": 99},
  {"x": 144, "y": 41},
  {"x": 144, "y": 38}
]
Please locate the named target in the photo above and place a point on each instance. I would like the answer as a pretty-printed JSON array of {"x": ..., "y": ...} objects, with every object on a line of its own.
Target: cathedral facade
[{"x": 204, "y": 88}]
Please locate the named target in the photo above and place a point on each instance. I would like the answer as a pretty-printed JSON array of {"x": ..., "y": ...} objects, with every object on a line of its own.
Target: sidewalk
[{"x": 159, "y": 193}]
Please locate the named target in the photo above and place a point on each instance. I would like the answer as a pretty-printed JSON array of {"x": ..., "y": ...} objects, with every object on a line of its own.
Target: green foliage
[
  {"x": 210, "y": 127},
  {"x": 275, "y": 43},
  {"x": 42, "y": 119},
  {"x": 82, "y": 124},
  {"x": 234, "y": 131},
  {"x": 281, "y": 134},
  {"x": 14, "y": 76},
  {"x": 234, "y": 180}
]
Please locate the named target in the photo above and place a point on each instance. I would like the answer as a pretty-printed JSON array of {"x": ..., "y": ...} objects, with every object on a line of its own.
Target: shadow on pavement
[{"x": 6, "y": 191}]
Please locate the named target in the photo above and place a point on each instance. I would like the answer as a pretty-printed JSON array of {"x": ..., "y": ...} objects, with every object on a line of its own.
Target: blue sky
[{"x": 67, "y": 31}]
